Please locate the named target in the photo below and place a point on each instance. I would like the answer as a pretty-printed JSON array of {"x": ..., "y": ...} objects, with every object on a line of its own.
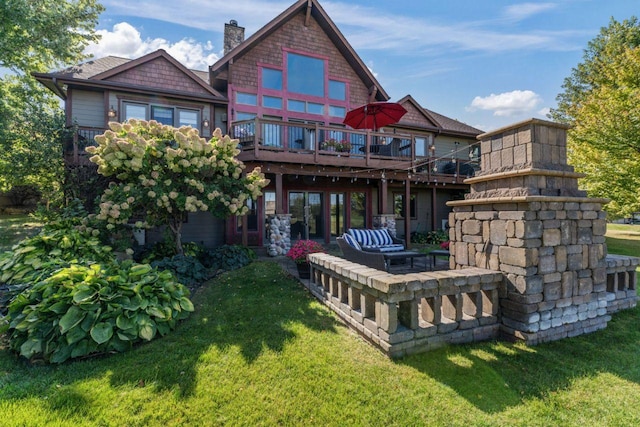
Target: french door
[{"x": 307, "y": 215}]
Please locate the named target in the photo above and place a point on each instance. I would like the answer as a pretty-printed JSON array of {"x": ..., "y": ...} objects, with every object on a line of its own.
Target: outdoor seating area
[{"x": 378, "y": 249}]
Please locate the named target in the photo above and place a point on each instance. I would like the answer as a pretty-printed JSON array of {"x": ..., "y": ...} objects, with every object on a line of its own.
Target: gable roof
[
  {"x": 312, "y": 9},
  {"x": 98, "y": 73},
  {"x": 435, "y": 121}
]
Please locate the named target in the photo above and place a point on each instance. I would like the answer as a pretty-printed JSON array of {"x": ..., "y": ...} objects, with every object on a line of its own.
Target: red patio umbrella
[{"x": 374, "y": 115}]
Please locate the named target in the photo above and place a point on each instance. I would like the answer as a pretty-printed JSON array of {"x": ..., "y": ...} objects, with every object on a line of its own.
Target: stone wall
[{"x": 404, "y": 314}]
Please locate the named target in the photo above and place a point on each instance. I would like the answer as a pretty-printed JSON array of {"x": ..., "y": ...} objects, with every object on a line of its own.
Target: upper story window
[
  {"x": 173, "y": 116},
  {"x": 246, "y": 98},
  {"x": 187, "y": 118},
  {"x": 135, "y": 111},
  {"x": 305, "y": 75},
  {"x": 337, "y": 90},
  {"x": 162, "y": 115},
  {"x": 271, "y": 79},
  {"x": 301, "y": 90}
]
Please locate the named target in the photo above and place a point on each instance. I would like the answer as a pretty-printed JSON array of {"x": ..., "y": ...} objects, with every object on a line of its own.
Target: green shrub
[
  {"x": 430, "y": 237},
  {"x": 80, "y": 310},
  {"x": 187, "y": 269},
  {"x": 228, "y": 257},
  {"x": 35, "y": 258}
]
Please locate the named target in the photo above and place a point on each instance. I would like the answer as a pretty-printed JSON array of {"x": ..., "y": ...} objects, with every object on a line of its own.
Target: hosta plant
[
  {"x": 85, "y": 310},
  {"x": 228, "y": 257},
  {"x": 35, "y": 258}
]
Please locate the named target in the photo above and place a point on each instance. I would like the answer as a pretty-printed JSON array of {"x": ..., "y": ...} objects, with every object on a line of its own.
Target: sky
[{"x": 487, "y": 63}]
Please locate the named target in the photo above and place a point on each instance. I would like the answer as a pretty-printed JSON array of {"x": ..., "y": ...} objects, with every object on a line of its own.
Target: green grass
[
  {"x": 623, "y": 239},
  {"x": 259, "y": 350},
  {"x": 14, "y": 228}
]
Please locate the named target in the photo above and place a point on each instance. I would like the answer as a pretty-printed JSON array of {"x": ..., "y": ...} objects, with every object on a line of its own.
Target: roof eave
[{"x": 123, "y": 87}]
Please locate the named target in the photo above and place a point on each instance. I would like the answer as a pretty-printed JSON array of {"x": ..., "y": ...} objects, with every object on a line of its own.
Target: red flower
[
  {"x": 302, "y": 248},
  {"x": 445, "y": 245}
]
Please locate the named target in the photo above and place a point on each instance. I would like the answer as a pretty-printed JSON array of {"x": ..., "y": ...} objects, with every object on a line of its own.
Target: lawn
[{"x": 259, "y": 350}]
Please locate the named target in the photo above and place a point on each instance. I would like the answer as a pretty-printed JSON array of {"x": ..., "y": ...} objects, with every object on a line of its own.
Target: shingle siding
[{"x": 160, "y": 74}]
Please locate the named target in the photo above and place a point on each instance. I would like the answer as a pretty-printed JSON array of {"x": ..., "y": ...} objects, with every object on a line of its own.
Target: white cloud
[
  {"x": 125, "y": 41},
  {"x": 519, "y": 12},
  {"x": 508, "y": 103},
  {"x": 544, "y": 112}
]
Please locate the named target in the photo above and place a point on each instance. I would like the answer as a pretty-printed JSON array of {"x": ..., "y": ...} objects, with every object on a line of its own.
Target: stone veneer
[
  {"x": 279, "y": 229},
  {"x": 526, "y": 218}
]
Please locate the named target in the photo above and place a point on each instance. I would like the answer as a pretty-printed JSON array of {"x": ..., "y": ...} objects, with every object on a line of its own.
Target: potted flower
[
  {"x": 343, "y": 146},
  {"x": 330, "y": 145},
  {"x": 298, "y": 253}
]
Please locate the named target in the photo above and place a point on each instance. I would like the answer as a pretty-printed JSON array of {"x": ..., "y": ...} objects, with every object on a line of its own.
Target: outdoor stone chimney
[
  {"x": 526, "y": 218},
  {"x": 233, "y": 35}
]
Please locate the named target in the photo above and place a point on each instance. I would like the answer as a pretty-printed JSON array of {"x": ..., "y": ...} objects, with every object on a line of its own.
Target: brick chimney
[{"x": 233, "y": 35}]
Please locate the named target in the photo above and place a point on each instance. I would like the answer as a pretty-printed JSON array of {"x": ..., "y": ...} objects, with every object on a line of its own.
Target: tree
[
  {"x": 31, "y": 129},
  {"x": 601, "y": 100},
  {"x": 37, "y": 35},
  {"x": 163, "y": 173}
]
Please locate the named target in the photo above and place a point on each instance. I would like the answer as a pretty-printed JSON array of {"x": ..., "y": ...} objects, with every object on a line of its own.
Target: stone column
[
  {"x": 279, "y": 229},
  {"x": 525, "y": 217}
]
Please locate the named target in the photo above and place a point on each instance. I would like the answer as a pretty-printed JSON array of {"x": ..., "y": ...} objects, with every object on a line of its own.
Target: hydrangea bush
[{"x": 164, "y": 172}]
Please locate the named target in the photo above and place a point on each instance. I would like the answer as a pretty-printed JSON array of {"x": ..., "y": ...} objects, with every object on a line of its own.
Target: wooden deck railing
[
  {"x": 74, "y": 148},
  {"x": 261, "y": 139}
]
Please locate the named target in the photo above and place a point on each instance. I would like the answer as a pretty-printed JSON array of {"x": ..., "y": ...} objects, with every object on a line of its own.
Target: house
[{"x": 283, "y": 93}]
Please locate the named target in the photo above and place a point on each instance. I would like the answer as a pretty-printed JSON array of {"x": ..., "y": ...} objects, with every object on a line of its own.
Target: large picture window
[{"x": 305, "y": 75}]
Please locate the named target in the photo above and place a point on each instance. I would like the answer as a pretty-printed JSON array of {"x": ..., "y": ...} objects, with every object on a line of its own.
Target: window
[
  {"x": 245, "y": 116},
  {"x": 188, "y": 118},
  {"x": 422, "y": 145},
  {"x": 252, "y": 217},
  {"x": 358, "y": 210},
  {"x": 269, "y": 203},
  {"x": 272, "y": 102},
  {"x": 337, "y": 90},
  {"x": 162, "y": 115},
  {"x": 398, "y": 205},
  {"x": 337, "y": 111},
  {"x": 305, "y": 107},
  {"x": 298, "y": 106},
  {"x": 314, "y": 108},
  {"x": 246, "y": 98},
  {"x": 305, "y": 75},
  {"x": 135, "y": 111},
  {"x": 271, "y": 79}
]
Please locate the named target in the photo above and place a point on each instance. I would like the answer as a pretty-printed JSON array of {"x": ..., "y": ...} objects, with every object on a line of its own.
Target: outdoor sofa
[{"x": 373, "y": 248}]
